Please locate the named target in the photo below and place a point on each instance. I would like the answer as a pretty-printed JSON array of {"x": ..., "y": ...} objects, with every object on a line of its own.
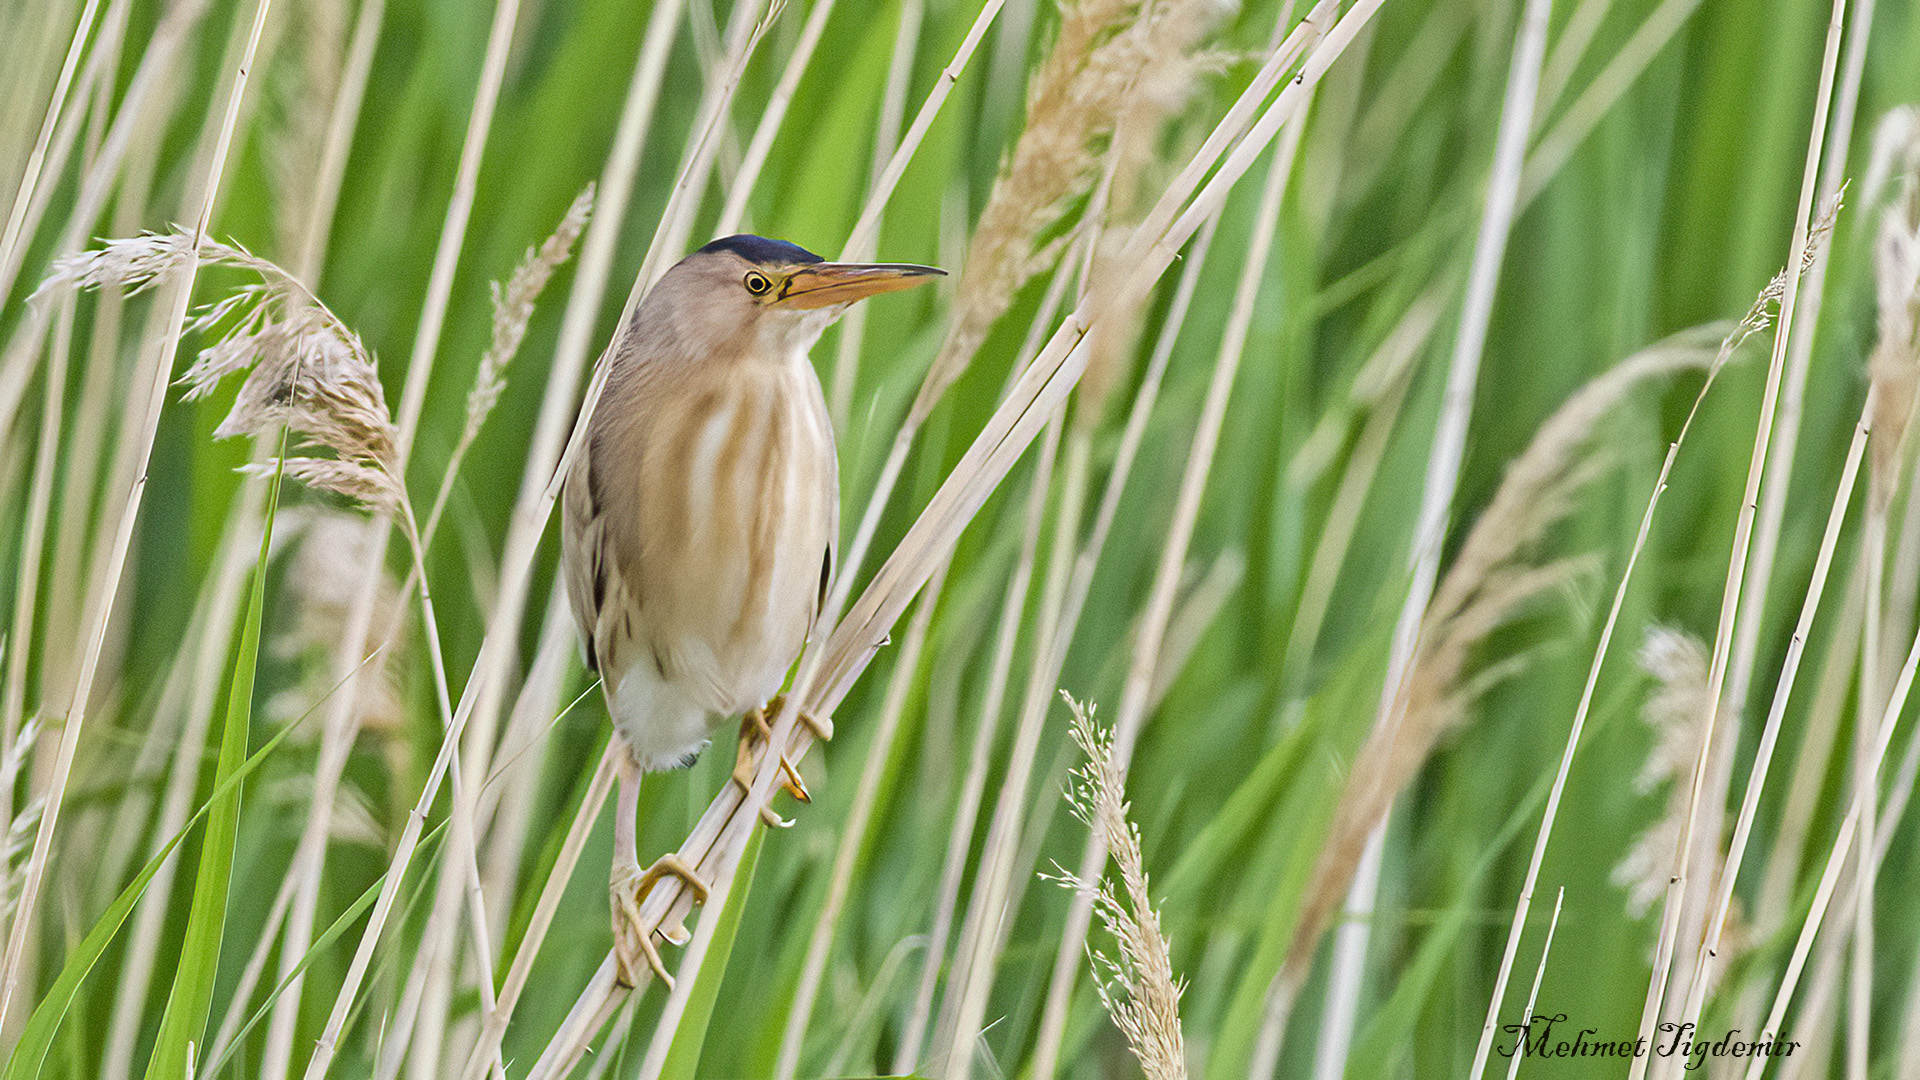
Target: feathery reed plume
[
  {"x": 1894, "y": 367},
  {"x": 1172, "y": 64},
  {"x": 1073, "y": 102},
  {"x": 304, "y": 368},
  {"x": 331, "y": 551},
  {"x": 513, "y": 310},
  {"x": 1675, "y": 711},
  {"x": 1490, "y": 581},
  {"x": 1136, "y": 984}
]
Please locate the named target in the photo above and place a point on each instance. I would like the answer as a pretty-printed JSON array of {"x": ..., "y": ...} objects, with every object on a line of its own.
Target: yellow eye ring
[{"x": 757, "y": 283}]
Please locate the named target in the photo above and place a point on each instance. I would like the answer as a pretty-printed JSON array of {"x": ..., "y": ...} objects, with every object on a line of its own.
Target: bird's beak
[{"x": 819, "y": 285}]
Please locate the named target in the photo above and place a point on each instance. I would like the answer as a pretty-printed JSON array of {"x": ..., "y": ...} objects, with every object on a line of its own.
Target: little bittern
[{"x": 699, "y": 518}]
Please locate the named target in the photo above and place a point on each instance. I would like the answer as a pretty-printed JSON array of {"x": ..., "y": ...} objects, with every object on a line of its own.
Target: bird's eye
[{"x": 757, "y": 283}]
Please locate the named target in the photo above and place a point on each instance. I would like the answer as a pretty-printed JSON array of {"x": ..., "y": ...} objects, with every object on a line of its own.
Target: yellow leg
[{"x": 628, "y": 886}]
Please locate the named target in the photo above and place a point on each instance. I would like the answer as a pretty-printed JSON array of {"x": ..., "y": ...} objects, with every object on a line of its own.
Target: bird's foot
[
  {"x": 754, "y": 731},
  {"x": 632, "y": 940}
]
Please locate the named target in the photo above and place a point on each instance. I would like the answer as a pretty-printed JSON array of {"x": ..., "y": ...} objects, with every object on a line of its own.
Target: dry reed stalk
[
  {"x": 979, "y": 760},
  {"x": 1136, "y": 984},
  {"x": 741, "y": 189},
  {"x": 84, "y": 441},
  {"x": 1814, "y": 1025},
  {"x": 507, "y": 812},
  {"x": 1539, "y": 975},
  {"x": 1838, "y": 855},
  {"x": 1786, "y": 439},
  {"x": 512, "y": 310},
  {"x": 1064, "y": 594},
  {"x": 1756, "y": 319},
  {"x": 718, "y": 840},
  {"x": 986, "y": 733},
  {"x": 485, "y": 687},
  {"x": 984, "y": 929},
  {"x": 1064, "y": 597},
  {"x": 1763, "y": 755},
  {"x": 34, "y": 531},
  {"x": 144, "y": 437},
  {"x": 1489, "y": 581},
  {"x": 11, "y": 235},
  {"x": 860, "y": 244},
  {"x": 59, "y": 131},
  {"x": 853, "y": 835},
  {"x": 971, "y": 974},
  {"x": 21, "y": 355},
  {"x": 1430, "y": 528},
  {"x": 20, "y": 638},
  {"x": 1381, "y": 394},
  {"x": 1779, "y": 468},
  {"x": 312, "y": 853},
  {"x": 867, "y": 226},
  {"x": 1798, "y": 251},
  {"x": 886, "y": 136},
  {"x": 86, "y": 500},
  {"x": 1149, "y": 632},
  {"x": 1894, "y": 376},
  {"x": 1076, "y": 96},
  {"x": 548, "y": 903}
]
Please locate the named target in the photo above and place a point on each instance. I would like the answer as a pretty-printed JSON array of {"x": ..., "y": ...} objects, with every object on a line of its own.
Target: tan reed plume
[
  {"x": 303, "y": 367},
  {"x": 1492, "y": 578},
  {"x": 1173, "y": 62},
  {"x": 1136, "y": 983},
  {"x": 1076, "y": 96},
  {"x": 513, "y": 309},
  {"x": 1675, "y": 711},
  {"x": 1894, "y": 367}
]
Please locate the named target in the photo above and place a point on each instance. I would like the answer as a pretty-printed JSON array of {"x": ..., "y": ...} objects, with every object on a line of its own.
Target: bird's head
[{"x": 749, "y": 288}]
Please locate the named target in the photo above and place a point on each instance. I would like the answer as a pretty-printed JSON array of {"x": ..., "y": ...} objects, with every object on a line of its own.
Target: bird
[{"x": 698, "y": 522}]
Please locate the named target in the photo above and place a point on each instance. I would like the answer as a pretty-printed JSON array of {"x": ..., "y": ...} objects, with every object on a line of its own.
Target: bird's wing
[{"x": 583, "y": 556}]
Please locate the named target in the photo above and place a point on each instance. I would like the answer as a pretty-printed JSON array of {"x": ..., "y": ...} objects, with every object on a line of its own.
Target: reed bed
[{"x": 1341, "y": 394}]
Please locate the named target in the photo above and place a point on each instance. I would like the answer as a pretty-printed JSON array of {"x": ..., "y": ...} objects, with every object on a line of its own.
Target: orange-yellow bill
[{"x": 824, "y": 284}]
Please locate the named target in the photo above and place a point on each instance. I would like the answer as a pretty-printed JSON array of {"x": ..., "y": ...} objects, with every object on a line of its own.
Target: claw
[
  {"x": 754, "y": 729},
  {"x": 631, "y": 939}
]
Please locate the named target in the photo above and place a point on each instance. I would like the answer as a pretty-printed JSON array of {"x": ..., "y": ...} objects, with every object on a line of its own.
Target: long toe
[
  {"x": 821, "y": 726},
  {"x": 633, "y": 944},
  {"x": 673, "y": 865}
]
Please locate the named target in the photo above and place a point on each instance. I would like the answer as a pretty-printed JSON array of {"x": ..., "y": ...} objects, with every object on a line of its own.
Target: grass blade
[{"x": 184, "y": 1023}]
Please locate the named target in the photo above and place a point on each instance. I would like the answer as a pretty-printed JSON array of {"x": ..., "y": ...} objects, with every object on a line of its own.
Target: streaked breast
[{"x": 739, "y": 493}]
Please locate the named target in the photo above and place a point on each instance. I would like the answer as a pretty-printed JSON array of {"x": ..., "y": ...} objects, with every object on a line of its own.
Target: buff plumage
[{"x": 698, "y": 521}]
